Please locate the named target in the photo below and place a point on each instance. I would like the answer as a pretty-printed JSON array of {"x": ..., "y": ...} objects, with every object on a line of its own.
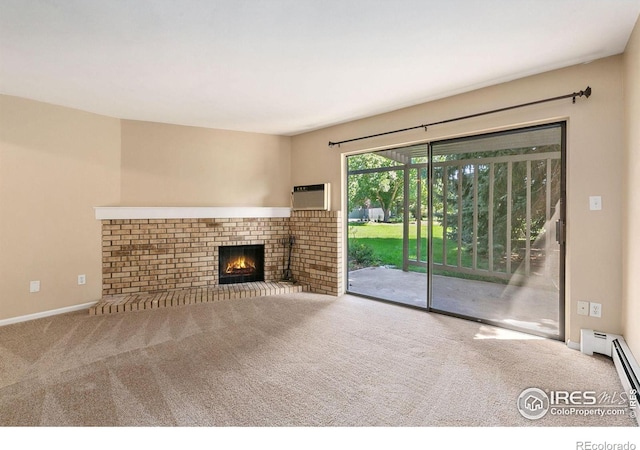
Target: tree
[
  {"x": 538, "y": 184},
  {"x": 382, "y": 188}
]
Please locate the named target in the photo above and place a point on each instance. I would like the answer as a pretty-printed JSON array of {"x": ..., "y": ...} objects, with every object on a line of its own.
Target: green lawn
[{"x": 385, "y": 241}]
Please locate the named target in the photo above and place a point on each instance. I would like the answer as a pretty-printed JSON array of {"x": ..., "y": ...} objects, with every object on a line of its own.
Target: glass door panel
[
  {"x": 495, "y": 202},
  {"x": 387, "y": 226}
]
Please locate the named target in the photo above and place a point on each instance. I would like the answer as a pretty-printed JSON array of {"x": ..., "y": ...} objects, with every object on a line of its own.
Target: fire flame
[{"x": 240, "y": 264}]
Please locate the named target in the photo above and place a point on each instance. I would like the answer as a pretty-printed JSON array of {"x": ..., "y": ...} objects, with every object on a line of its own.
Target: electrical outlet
[
  {"x": 595, "y": 309},
  {"x": 82, "y": 279},
  {"x": 583, "y": 308},
  {"x": 595, "y": 203},
  {"x": 34, "y": 286}
]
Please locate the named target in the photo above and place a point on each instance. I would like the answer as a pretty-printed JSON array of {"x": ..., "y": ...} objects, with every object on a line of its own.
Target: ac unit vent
[{"x": 311, "y": 197}]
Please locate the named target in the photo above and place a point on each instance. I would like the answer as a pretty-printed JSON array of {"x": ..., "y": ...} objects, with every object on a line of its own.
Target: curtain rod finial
[{"x": 586, "y": 93}]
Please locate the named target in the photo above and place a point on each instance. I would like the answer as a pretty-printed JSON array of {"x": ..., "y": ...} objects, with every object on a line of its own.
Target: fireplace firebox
[{"x": 241, "y": 264}]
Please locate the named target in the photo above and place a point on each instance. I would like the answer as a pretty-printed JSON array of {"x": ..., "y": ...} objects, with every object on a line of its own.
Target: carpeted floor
[{"x": 289, "y": 360}]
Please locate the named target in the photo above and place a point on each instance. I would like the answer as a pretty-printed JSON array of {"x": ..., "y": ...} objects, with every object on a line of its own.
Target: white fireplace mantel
[{"x": 188, "y": 212}]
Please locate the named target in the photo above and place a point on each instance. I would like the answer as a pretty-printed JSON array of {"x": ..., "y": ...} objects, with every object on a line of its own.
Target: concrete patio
[{"x": 524, "y": 307}]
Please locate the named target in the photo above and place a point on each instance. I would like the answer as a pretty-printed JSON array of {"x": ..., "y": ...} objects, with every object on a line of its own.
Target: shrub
[{"x": 361, "y": 255}]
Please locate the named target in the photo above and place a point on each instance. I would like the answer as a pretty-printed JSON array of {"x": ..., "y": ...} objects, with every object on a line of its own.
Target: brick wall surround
[
  {"x": 317, "y": 255},
  {"x": 151, "y": 255}
]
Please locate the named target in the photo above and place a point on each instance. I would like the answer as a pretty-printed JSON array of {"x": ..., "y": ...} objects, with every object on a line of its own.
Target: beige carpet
[{"x": 289, "y": 360}]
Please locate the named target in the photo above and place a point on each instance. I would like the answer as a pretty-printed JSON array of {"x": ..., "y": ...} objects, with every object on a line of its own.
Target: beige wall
[
  {"x": 594, "y": 159},
  {"x": 56, "y": 164},
  {"x": 631, "y": 216},
  {"x": 172, "y": 165}
]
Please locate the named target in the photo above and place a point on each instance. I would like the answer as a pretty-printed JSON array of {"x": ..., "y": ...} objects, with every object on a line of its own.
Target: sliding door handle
[{"x": 560, "y": 231}]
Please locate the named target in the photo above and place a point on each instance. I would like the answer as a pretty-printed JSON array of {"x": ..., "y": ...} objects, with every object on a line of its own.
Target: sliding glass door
[
  {"x": 498, "y": 205},
  {"x": 471, "y": 227}
]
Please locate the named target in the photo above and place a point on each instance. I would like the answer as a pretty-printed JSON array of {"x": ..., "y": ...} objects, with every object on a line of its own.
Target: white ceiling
[{"x": 289, "y": 66}]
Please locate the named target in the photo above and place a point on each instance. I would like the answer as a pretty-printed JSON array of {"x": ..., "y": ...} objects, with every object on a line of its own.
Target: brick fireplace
[{"x": 144, "y": 255}]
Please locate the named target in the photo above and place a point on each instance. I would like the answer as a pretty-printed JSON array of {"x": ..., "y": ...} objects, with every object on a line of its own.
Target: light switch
[
  {"x": 595, "y": 203},
  {"x": 34, "y": 286}
]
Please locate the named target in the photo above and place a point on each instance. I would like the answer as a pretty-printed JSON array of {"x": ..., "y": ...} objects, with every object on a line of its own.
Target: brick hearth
[{"x": 166, "y": 299}]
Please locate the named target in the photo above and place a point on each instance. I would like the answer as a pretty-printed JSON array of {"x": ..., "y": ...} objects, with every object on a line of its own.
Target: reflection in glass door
[
  {"x": 416, "y": 218},
  {"x": 497, "y": 215}
]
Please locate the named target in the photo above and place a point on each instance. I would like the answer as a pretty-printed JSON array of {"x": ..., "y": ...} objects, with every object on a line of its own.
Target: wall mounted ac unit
[
  {"x": 311, "y": 197},
  {"x": 614, "y": 345}
]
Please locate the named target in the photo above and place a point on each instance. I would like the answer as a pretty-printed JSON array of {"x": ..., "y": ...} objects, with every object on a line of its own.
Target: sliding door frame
[{"x": 429, "y": 266}]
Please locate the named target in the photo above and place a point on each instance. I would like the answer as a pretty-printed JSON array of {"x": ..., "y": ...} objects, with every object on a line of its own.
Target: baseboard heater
[{"x": 614, "y": 346}]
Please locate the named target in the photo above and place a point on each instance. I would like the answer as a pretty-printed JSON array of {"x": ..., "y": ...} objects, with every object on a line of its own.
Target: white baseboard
[
  {"x": 52, "y": 312},
  {"x": 573, "y": 345}
]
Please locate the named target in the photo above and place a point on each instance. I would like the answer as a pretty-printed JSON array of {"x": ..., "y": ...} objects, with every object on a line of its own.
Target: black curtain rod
[{"x": 585, "y": 93}]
